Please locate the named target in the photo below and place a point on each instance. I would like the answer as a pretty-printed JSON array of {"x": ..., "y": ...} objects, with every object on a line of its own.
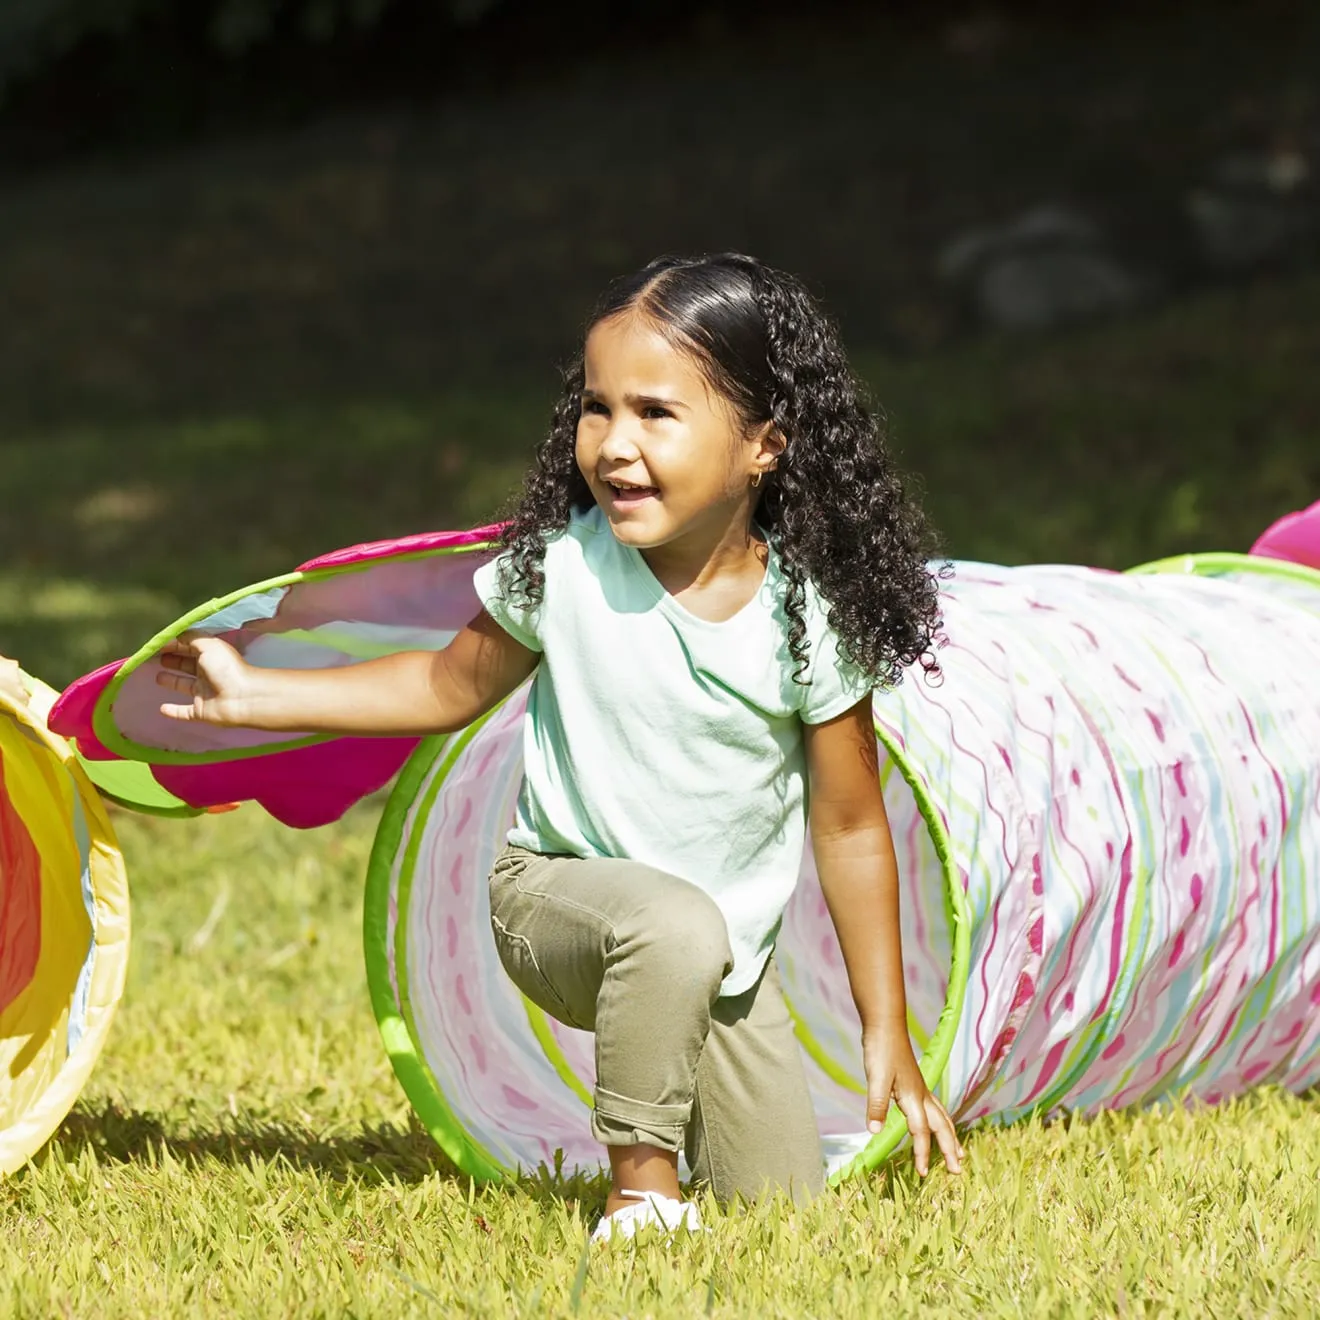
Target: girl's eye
[
  {"x": 595, "y": 406},
  {"x": 654, "y": 411}
]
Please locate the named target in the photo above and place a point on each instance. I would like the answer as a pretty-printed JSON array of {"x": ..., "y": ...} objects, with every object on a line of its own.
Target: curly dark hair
[{"x": 834, "y": 507}]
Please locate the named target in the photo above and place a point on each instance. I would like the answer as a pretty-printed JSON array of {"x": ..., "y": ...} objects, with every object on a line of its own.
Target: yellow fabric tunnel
[{"x": 64, "y": 930}]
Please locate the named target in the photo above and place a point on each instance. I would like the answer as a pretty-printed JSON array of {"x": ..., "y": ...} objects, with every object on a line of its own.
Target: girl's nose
[{"x": 620, "y": 443}]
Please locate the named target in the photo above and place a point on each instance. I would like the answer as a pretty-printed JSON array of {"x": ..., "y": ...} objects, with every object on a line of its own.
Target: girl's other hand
[
  {"x": 892, "y": 1073},
  {"x": 219, "y": 685}
]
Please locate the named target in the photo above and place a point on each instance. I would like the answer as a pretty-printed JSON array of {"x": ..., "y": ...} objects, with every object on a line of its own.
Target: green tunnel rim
[
  {"x": 103, "y": 713},
  {"x": 393, "y": 1016},
  {"x": 1214, "y": 562}
]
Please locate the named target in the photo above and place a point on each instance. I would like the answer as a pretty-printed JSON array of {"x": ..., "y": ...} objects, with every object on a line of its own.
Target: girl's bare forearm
[
  {"x": 859, "y": 879},
  {"x": 396, "y": 694},
  {"x": 413, "y": 692}
]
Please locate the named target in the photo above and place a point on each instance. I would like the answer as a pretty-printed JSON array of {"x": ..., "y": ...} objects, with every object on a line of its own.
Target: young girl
[{"x": 711, "y": 567}]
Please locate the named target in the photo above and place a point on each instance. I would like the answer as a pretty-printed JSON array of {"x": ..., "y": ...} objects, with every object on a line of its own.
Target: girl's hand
[
  {"x": 220, "y": 686},
  {"x": 892, "y": 1072}
]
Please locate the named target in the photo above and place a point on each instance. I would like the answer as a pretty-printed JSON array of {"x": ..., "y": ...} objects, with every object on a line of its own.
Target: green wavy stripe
[
  {"x": 346, "y": 643},
  {"x": 821, "y": 1057}
]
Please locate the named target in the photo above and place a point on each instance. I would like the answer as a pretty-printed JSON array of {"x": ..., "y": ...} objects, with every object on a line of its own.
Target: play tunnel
[
  {"x": 1107, "y": 817},
  {"x": 63, "y": 929}
]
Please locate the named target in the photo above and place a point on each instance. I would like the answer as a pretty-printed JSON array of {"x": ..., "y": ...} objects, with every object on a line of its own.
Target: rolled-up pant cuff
[{"x": 618, "y": 1121}]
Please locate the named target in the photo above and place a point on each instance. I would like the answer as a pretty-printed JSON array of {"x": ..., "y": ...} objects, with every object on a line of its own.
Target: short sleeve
[
  {"x": 521, "y": 620},
  {"x": 836, "y": 685}
]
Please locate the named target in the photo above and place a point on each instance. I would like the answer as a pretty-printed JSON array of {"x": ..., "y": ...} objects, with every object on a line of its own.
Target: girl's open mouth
[{"x": 631, "y": 495}]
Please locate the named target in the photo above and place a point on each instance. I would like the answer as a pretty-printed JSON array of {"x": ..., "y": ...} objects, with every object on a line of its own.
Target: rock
[
  {"x": 1036, "y": 291},
  {"x": 1257, "y": 210},
  {"x": 1050, "y": 267},
  {"x": 1043, "y": 226}
]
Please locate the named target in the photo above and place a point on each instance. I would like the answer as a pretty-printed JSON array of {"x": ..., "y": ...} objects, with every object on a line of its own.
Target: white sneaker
[{"x": 651, "y": 1208}]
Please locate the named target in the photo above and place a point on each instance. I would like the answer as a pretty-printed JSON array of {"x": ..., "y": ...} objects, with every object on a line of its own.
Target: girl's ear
[{"x": 770, "y": 443}]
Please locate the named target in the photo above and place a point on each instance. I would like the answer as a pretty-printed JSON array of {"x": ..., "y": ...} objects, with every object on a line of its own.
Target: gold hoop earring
[{"x": 756, "y": 480}]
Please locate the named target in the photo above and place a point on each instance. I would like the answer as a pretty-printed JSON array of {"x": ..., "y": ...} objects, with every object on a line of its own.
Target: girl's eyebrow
[
  {"x": 652, "y": 401},
  {"x": 640, "y": 400}
]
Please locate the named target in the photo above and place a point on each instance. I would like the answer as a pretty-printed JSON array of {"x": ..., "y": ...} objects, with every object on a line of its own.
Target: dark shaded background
[{"x": 265, "y": 295}]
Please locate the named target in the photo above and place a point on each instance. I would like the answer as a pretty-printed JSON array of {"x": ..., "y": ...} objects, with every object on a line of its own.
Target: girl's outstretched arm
[
  {"x": 413, "y": 692},
  {"x": 859, "y": 878}
]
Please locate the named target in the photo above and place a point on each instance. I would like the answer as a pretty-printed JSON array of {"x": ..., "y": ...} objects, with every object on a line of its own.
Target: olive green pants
[{"x": 637, "y": 956}]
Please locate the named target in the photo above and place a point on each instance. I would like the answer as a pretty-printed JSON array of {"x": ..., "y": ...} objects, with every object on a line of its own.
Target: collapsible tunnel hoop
[
  {"x": 392, "y": 870},
  {"x": 139, "y": 732},
  {"x": 353, "y": 604},
  {"x": 391, "y": 865}
]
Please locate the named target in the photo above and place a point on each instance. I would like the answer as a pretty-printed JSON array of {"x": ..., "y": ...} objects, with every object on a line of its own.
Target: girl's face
[{"x": 665, "y": 455}]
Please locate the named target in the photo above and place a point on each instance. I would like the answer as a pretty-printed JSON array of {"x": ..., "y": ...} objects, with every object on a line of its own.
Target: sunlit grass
[{"x": 243, "y": 1149}]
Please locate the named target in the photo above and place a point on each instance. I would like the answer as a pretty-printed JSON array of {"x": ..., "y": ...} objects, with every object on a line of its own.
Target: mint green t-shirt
[{"x": 660, "y": 737}]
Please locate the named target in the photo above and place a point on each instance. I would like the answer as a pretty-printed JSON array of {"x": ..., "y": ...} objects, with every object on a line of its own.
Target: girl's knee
[{"x": 682, "y": 934}]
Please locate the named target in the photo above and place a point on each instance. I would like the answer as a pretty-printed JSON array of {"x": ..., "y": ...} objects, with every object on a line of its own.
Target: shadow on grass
[
  {"x": 397, "y": 1154},
  {"x": 384, "y": 1152}
]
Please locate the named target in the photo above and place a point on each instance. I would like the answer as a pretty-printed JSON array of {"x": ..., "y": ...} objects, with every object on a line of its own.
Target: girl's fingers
[
  {"x": 920, "y": 1131},
  {"x": 187, "y": 646},
  {"x": 953, "y": 1128},
  {"x": 178, "y": 712},
  {"x": 182, "y": 682},
  {"x": 947, "y": 1136},
  {"x": 927, "y": 1119},
  {"x": 877, "y": 1108}
]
